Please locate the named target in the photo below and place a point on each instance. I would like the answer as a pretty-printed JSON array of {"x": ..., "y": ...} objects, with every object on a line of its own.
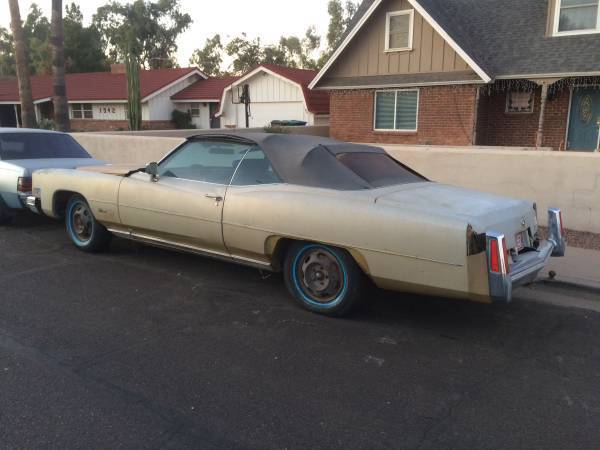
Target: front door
[
  {"x": 584, "y": 119},
  {"x": 215, "y": 122},
  {"x": 184, "y": 206}
]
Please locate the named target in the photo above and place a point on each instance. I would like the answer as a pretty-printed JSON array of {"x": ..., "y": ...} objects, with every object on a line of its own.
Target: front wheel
[
  {"x": 84, "y": 230},
  {"x": 323, "y": 279}
]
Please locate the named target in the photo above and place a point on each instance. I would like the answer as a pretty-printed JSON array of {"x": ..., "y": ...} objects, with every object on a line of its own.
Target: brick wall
[
  {"x": 446, "y": 116},
  {"x": 79, "y": 125},
  {"x": 496, "y": 127}
]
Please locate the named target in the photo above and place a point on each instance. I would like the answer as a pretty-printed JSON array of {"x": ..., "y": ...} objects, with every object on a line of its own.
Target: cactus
[{"x": 134, "y": 100}]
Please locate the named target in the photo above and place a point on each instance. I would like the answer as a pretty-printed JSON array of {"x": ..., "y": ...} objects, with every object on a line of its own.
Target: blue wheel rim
[
  {"x": 298, "y": 284},
  {"x": 75, "y": 237}
]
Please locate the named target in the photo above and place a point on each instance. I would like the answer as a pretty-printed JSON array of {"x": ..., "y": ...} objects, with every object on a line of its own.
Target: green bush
[
  {"x": 182, "y": 120},
  {"x": 46, "y": 124}
]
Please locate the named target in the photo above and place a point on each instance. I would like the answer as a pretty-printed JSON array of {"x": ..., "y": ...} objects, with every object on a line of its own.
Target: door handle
[{"x": 216, "y": 198}]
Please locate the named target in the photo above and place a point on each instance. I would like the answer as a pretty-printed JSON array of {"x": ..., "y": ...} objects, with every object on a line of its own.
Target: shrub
[{"x": 182, "y": 120}]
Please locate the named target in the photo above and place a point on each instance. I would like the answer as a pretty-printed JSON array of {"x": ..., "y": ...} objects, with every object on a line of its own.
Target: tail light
[
  {"x": 24, "y": 185},
  {"x": 498, "y": 254}
]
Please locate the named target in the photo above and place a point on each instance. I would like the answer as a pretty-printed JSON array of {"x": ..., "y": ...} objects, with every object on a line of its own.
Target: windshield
[
  {"x": 379, "y": 169},
  {"x": 39, "y": 146}
]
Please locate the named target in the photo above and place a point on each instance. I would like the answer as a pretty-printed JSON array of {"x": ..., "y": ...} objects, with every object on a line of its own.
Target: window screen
[
  {"x": 399, "y": 27},
  {"x": 82, "y": 111},
  {"x": 578, "y": 15},
  {"x": 396, "y": 110}
]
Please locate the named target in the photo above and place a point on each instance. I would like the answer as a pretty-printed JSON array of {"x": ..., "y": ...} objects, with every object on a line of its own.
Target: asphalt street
[{"x": 145, "y": 348}]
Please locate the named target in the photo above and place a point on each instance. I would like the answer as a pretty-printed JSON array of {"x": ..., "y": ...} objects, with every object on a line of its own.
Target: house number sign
[{"x": 107, "y": 110}]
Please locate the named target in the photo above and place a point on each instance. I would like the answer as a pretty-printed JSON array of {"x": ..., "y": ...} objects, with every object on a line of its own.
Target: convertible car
[{"x": 333, "y": 216}]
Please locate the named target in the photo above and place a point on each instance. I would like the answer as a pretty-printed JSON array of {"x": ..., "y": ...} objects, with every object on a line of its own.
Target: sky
[{"x": 267, "y": 19}]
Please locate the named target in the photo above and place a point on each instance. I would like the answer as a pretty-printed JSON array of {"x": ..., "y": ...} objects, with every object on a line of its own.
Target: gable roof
[
  {"x": 97, "y": 86},
  {"x": 209, "y": 89},
  {"x": 510, "y": 38},
  {"x": 316, "y": 102},
  {"x": 498, "y": 39}
]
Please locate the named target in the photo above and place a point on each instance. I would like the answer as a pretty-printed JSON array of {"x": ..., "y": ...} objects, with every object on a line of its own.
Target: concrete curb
[{"x": 570, "y": 283}]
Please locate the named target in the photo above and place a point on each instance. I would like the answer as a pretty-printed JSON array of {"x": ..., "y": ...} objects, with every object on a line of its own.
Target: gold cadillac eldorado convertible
[{"x": 329, "y": 214}]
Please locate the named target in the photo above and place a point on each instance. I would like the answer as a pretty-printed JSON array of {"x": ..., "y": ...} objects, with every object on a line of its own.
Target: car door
[{"x": 184, "y": 204}]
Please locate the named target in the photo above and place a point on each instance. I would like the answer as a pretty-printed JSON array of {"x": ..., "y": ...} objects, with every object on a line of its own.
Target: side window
[
  {"x": 255, "y": 168},
  {"x": 209, "y": 161}
]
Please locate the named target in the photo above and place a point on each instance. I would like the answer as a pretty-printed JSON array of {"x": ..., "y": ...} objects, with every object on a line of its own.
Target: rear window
[
  {"x": 39, "y": 146},
  {"x": 379, "y": 169}
]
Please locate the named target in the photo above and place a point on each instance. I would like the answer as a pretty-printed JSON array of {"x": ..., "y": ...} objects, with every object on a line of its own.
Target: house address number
[{"x": 107, "y": 110}]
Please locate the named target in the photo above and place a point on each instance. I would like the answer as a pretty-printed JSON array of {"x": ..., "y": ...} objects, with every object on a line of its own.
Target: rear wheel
[
  {"x": 323, "y": 279},
  {"x": 84, "y": 230}
]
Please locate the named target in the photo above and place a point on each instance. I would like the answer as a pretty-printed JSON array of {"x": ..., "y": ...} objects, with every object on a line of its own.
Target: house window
[
  {"x": 82, "y": 111},
  {"x": 399, "y": 30},
  {"x": 519, "y": 101},
  {"x": 396, "y": 110},
  {"x": 194, "y": 109},
  {"x": 577, "y": 17}
]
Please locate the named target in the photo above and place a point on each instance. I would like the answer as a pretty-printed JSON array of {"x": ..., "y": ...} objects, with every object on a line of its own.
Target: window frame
[
  {"x": 532, "y": 92},
  {"x": 557, "y": 10},
  {"x": 411, "y": 29},
  {"x": 394, "y": 130},
  {"x": 194, "y": 105},
  {"x": 82, "y": 110}
]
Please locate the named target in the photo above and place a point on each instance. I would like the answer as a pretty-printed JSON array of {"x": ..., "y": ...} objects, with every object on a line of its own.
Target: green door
[{"x": 583, "y": 123}]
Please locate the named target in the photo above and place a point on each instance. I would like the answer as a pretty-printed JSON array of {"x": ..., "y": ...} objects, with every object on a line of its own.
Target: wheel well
[
  {"x": 283, "y": 245},
  {"x": 59, "y": 202}
]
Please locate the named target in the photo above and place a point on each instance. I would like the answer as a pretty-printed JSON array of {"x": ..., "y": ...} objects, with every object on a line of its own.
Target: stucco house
[
  {"x": 466, "y": 72},
  {"x": 98, "y": 100},
  {"x": 276, "y": 93}
]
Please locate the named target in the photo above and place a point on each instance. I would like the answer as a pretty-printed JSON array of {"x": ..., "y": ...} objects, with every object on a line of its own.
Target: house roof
[
  {"x": 317, "y": 102},
  {"x": 96, "y": 86},
  {"x": 209, "y": 89},
  {"x": 504, "y": 39},
  {"x": 509, "y": 37}
]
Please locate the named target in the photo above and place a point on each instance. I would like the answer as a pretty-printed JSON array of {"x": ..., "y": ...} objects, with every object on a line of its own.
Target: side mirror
[{"x": 152, "y": 170}]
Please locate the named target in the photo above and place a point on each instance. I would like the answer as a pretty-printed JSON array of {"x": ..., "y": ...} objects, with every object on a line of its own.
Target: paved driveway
[{"x": 141, "y": 347}]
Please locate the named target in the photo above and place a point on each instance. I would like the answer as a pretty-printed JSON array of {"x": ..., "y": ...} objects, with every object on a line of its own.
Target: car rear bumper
[
  {"x": 526, "y": 266},
  {"x": 33, "y": 204}
]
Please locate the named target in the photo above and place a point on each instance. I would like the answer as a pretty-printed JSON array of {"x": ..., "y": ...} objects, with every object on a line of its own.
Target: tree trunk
[
  {"x": 27, "y": 110},
  {"x": 59, "y": 99}
]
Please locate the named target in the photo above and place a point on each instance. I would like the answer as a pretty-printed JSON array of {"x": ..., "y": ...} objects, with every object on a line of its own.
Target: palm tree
[
  {"x": 59, "y": 99},
  {"x": 27, "y": 110}
]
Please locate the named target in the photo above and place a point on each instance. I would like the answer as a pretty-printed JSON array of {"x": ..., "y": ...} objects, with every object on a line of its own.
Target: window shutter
[
  {"x": 406, "y": 110},
  {"x": 384, "y": 110}
]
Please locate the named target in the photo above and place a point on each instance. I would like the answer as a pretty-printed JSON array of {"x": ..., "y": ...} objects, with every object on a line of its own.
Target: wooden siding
[
  {"x": 366, "y": 54},
  {"x": 551, "y": 12}
]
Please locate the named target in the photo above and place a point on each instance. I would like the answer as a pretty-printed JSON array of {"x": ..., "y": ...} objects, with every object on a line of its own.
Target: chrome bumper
[
  {"x": 527, "y": 265},
  {"x": 33, "y": 204}
]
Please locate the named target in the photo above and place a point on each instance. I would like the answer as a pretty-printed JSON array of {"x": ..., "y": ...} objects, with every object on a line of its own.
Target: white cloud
[{"x": 267, "y": 19}]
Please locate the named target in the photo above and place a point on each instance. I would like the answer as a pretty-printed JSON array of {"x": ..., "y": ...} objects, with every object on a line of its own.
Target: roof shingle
[{"x": 94, "y": 86}]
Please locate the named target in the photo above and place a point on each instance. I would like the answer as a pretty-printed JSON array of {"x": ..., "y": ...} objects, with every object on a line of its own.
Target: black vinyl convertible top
[{"x": 305, "y": 160}]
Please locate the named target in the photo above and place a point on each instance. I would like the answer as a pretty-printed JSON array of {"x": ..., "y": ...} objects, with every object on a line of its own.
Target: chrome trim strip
[
  {"x": 163, "y": 243},
  {"x": 500, "y": 284},
  {"x": 555, "y": 235}
]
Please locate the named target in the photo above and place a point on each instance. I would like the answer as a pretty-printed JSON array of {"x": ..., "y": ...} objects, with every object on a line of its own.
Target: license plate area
[{"x": 522, "y": 240}]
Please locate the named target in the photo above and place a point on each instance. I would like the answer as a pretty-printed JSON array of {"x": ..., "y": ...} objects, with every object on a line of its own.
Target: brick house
[
  {"x": 468, "y": 72},
  {"x": 98, "y": 100},
  {"x": 276, "y": 93}
]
